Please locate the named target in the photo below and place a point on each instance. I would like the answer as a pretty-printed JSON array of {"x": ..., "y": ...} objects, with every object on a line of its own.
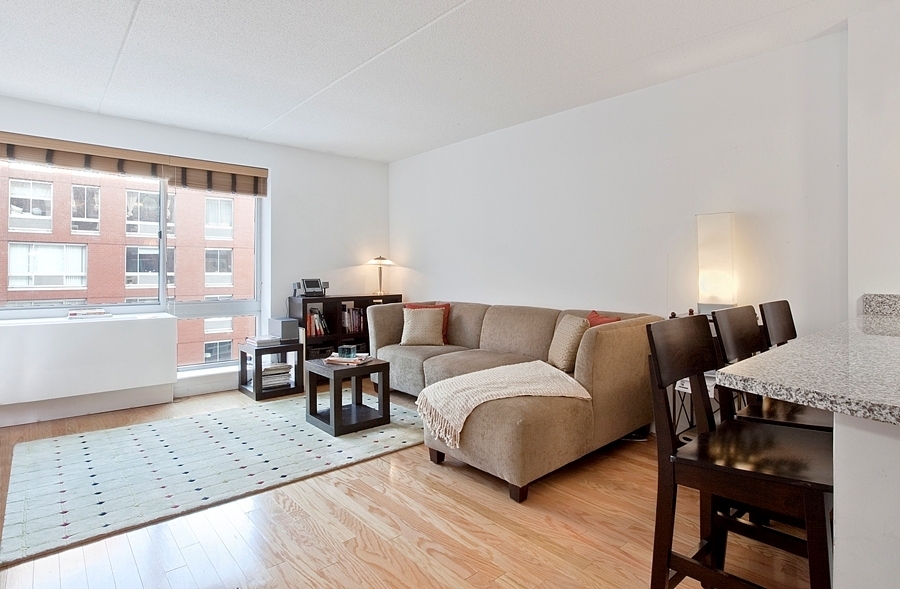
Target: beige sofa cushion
[
  {"x": 519, "y": 330},
  {"x": 422, "y": 327},
  {"x": 406, "y": 370},
  {"x": 566, "y": 340},
  {"x": 464, "y": 324},
  {"x": 438, "y": 368}
]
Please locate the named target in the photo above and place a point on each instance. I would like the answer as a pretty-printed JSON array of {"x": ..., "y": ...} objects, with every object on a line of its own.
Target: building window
[
  {"x": 217, "y": 351},
  {"x": 227, "y": 297},
  {"x": 142, "y": 266},
  {"x": 47, "y": 303},
  {"x": 218, "y": 325},
  {"x": 85, "y": 209},
  {"x": 47, "y": 265},
  {"x": 30, "y": 206},
  {"x": 219, "y": 218},
  {"x": 142, "y": 213},
  {"x": 218, "y": 267}
]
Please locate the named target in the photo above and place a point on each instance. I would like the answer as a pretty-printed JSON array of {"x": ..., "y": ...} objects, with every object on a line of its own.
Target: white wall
[
  {"x": 594, "y": 207},
  {"x": 873, "y": 154},
  {"x": 328, "y": 214}
]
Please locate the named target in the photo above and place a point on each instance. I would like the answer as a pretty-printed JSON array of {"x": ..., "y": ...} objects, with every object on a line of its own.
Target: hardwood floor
[{"x": 395, "y": 521}]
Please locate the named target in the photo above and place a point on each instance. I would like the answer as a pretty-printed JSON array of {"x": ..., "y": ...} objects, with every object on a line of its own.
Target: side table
[
  {"x": 252, "y": 385},
  {"x": 339, "y": 419}
]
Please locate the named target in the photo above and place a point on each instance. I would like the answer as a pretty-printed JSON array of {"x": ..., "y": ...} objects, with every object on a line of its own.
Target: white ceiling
[{"x": 377, "y": 79}]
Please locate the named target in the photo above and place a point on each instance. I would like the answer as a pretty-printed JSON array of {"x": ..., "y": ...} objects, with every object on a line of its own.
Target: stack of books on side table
[
  {"x": 338, "y": 361},
  {"x": 276, "y": 375},
  {"x": 263, "y": 340}
]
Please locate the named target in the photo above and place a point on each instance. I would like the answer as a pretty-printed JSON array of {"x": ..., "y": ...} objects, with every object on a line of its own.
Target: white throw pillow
[
  {"x": 566, "y": 340},
  {"x": 423, "y": 327}
]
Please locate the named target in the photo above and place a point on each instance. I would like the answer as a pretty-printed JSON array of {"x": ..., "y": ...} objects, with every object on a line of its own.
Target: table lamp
[{"x": 381, "y": 262}]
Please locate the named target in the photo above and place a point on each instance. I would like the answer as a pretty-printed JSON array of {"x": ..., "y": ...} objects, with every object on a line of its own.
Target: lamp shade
[
  {"x": 715, "y": 259},
  {"x": 380, "y": 261}
]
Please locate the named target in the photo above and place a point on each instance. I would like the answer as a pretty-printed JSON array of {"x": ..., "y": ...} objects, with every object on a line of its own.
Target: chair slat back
[
  {"x": 738, "y": 333},
  {"x": 680, "y": 348},
  {"x": 778, "y": 322}
]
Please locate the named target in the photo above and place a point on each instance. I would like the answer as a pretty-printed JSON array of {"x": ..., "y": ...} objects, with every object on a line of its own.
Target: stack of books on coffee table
[{"x": 338, "y": 361}]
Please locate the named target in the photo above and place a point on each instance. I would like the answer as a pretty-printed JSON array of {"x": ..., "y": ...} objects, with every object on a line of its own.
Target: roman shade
[{"x": 186, "y": 172}]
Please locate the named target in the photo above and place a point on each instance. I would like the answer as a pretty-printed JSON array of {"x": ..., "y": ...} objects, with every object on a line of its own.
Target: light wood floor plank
[
  {"x": 395, "y": 521},
  {"x": 73, "y": 574},
  {"x": 97, "y": 566},
  {"x": 46, "y": 572}
]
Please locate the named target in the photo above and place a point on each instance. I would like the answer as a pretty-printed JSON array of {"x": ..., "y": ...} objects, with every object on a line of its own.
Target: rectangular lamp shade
[{"x": 715, "y": 259}]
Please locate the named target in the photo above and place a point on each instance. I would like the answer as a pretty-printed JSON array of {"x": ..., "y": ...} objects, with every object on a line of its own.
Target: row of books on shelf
[
  {"x": 315, "y": 322},
  {"x": 353, "y": 319}
]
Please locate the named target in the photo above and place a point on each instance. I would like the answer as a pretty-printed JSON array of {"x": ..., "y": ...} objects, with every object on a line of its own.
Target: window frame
[
  {"x": 32, "y": 274},
  {"x": 218, "y": 226},
  {"x": 207, "y": 273},
  {"x": 10, "y": 216},
  {"x": 84, "y": 219},
  {"x": 218, "y": 360},
  {"x": 169, "y": 272}
]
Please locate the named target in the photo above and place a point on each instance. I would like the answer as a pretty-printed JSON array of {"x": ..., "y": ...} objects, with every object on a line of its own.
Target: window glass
[
  {"x": 30, "y": 205},
  {"x": 142, "y": 266},
  {"x": 217, "y": 351},
  {"x": 86, "y": 209},
  {"x": 47, "y": 266},
  {"x": 219, "y": 218},
  {"x": 218, "y": 267},
  {"x": 218, "y": 324}
]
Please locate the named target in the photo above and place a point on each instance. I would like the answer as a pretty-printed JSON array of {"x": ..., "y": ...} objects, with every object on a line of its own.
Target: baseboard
[{"x": 34, "y": 411}]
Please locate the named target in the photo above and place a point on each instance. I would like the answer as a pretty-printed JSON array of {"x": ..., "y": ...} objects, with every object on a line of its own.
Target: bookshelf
[{"x": 327, "y": 322}]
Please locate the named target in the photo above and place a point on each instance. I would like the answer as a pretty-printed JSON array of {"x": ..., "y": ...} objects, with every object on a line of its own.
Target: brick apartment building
[{"x": 84, "y": 238}]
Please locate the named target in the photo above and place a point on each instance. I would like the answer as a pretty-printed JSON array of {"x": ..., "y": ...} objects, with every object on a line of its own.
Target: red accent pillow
[
  {"x": 444, "y": 306},
  {"x": 595, "y": 318}
]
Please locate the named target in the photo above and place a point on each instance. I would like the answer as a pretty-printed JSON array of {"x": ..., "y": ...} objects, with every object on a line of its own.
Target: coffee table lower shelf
[{"x": 352, "y": 417}]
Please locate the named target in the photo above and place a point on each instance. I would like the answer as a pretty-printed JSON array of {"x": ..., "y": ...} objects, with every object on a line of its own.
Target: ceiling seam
[
  {"x": 115, "y": 67},
  {"x": 344, "y": 76}
]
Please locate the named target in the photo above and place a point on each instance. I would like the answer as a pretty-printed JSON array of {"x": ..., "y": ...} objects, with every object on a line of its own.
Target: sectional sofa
[{"x": 521, "y": 439}]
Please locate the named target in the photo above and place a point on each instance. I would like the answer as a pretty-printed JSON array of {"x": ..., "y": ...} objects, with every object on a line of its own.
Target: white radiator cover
[{"x": 95, "y": 359}]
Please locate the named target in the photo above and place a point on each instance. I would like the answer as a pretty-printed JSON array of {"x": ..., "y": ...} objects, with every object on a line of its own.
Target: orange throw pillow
[
  {"x": 595, "y": 319},
  {"x": 444, "y": 306}
]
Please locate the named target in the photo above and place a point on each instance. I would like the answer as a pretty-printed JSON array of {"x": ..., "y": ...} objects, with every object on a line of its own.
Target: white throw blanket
[{"x": 445, "y": 405}]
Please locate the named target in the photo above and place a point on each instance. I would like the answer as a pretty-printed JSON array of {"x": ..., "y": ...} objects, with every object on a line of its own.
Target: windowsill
[{"x": 206, "y": 372}]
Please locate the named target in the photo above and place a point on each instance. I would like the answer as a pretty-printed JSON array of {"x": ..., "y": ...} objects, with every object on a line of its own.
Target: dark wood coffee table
[{"x": 339, "y": 419}]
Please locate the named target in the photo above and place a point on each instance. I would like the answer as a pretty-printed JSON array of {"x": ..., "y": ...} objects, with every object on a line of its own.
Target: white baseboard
[{"x": 45, "y": 410}]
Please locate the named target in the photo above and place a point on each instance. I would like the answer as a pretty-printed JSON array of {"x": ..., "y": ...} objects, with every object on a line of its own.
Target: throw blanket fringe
[{"x": 445, "y": 405}]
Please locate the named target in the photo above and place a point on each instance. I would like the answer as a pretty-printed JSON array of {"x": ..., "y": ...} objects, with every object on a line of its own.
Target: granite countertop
[{"x": 852, "y": 368}]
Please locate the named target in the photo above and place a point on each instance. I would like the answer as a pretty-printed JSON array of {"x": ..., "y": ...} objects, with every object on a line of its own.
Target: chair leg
[
  {"x": 518, "y": 494},
  {"x": 717, "y": 537},
  {"x": 435, "y": 456},
  {"x": 666, "y": 496},
  {"x": 819, "y": 538}
]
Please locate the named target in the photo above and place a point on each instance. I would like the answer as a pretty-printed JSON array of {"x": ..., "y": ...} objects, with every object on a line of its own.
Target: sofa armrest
[
  {"x": 612, "y": 365},
  {"x": 385, "y": 325}
]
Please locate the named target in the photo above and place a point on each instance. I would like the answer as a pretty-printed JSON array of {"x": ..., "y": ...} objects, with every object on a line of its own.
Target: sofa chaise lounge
[{"x": 521, "y": 439}]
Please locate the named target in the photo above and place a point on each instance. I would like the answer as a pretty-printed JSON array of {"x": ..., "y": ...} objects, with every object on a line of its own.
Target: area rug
[{"x": 68, "y": 490}]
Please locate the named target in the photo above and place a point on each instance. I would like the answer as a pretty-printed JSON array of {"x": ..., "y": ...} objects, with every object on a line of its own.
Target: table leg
[
  {"x": 312, "y": 382},
  {"x": 383, "y": 390},
  {"x": 337, "y": 406},
  {"x": 356, "y": 386}
]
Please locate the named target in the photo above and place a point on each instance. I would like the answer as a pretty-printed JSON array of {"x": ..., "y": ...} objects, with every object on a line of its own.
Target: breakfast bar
[{"x": 852, "y": 369}]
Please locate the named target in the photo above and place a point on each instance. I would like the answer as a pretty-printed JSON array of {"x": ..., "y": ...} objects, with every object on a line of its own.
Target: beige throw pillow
[
  {"x": 566, "y": 340},
  {"x": 423, "y": 327}
]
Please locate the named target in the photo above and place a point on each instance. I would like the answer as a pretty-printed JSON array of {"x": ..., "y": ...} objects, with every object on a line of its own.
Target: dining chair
[
  {"x": 738, "y": 466},
  {"x": 778, "y": 323},
  {"x": 740, "y": 337}
]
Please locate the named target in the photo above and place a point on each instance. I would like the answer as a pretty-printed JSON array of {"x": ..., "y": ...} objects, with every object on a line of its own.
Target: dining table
[{"x": 853, "y": 370}]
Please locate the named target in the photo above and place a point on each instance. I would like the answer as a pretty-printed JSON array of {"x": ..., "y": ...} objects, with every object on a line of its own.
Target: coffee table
[{"x": 339, "y": 419}]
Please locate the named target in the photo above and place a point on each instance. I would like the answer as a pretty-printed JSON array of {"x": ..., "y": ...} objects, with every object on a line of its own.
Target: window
[
  {"x": 217, "y": 351},
  {"x": 218, "y": 325},
  {"x": 142, "y": 266},
  {"x": 219, "y": 218},
  {"x": 217, "y": 298},
  {"x": 47, "y": 265},
  {"x": 85, "y": 209},
  {"x": 142, "y": 213},
  {"x": 30, "y": 206},
  {"x": 218, "y": 267},
  {"x": 47, "y": 303}
]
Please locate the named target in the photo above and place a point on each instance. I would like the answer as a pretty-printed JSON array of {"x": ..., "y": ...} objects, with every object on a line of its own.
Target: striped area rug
[{"x": 68, "y": 490}]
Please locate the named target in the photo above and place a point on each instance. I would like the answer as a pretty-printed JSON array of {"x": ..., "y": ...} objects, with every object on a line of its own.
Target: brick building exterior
[{"x": 83, "y": 238}]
